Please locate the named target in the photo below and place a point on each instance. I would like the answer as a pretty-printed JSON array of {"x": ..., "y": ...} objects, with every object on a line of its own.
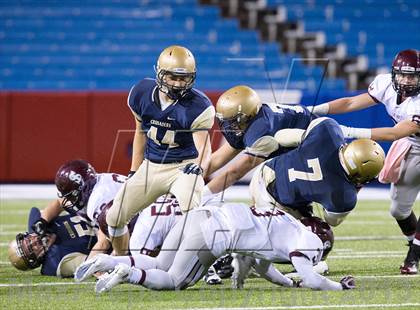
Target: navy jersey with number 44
[
  {"x": 169, "y": 132},
  {"x": 74, "y": 234},
  {"x": 258, "y": 139},
  {"x": 312, "y": 172}
]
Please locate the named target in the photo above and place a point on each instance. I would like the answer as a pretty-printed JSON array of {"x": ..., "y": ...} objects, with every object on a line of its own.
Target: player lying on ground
[
  {"x": 81, "y": 192},
  {"x": 399, "y": 91},
  {"x": 206, "y": 233},
  {"x": 68, "y": 240},
  {"x": 64, "y": 245}
]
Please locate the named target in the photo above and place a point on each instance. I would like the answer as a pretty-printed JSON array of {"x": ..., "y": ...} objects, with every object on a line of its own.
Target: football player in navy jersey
[
  {"x": 322, "y": 169},
  {"x": 250, "y": 126},
  {"x": 171, "y": 146},
  {"x": 66, "y": 243}
]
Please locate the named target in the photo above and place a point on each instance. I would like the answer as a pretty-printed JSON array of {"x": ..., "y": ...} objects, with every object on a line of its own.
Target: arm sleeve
[
  {"x": 333, "y": 218},
  {"x": 205, "y": 120},
  {"x": 310, "y": 278},
  {"x": 376, "y": 89},
  {"x": 267, "y": 270},
  {"x": 289, "y": 137},
  {"x": 263, "y": 147}
]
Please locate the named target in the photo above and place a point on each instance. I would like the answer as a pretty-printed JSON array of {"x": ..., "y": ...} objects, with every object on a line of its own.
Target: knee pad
[
  {"x": 400, "y": 211},
  {"x": 113, "y": 217}
]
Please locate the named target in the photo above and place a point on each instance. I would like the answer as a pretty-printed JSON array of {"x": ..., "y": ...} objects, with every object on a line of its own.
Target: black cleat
[{"x": 411, "y": 262}]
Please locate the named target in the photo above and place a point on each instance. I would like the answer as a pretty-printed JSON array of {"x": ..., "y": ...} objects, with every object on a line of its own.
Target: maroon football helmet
[
  {"x": 322, "y": 230},
  {"x": 406, "y": 73},
  {"x": 75, "y": 181}
]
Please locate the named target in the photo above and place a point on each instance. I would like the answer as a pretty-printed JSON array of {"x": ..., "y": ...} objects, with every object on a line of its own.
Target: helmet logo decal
[
  {"x": 73, "y": 176},
  {"x": 408, "y": 68}
]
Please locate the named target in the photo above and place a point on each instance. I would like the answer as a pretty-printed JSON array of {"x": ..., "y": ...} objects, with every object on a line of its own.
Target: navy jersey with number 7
[{"x": 312, "y": 172}]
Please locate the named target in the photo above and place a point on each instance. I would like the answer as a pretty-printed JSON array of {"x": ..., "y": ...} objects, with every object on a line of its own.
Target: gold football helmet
[
  {"x": 362, "y": 159},
  {"x": 236, "y": 108},
  {"x": 16, "y": 257},
  {"x": 27, "y": 251},
  {"x": 175, "y": 71}
]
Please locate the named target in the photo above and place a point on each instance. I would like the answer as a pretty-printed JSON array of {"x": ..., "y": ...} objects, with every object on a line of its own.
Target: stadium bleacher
[{"x": 108, "y": 45}]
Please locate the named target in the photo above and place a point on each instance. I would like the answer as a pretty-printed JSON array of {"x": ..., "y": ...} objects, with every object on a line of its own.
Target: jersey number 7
[{"x": 315, "y": 175}]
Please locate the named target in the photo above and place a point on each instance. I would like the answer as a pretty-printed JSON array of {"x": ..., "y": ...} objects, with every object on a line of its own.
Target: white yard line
[
  {"x": 359, "y": 238},
  {"x": 43, "y": 284},
  {"x": 319, "y": 307}
]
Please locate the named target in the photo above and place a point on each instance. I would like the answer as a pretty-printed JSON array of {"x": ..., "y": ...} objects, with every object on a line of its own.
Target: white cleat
[
  {"x": 100, "y": 262},
  {"x": 107, "y": 281}
]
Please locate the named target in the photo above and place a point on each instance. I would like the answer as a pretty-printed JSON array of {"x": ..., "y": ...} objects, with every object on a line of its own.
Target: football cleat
[
  {"x": 107, "y": 281},
  {"x": 411, "y": 262},
  {"x": 211, "y": 277},
  {"x": 409, "y": 268},
  {"x": 223, "y": 266},
  {"x": 100, "y": 262}
]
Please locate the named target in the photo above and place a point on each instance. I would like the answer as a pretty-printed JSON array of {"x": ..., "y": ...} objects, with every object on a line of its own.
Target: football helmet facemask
[
  {"x": 362, "y": 160},
  {"x": 175, "y": 71},
  {"x": 236, "y": 108},
  {"x": 322, "y": 230},
  {"x": 406, "y": 73},
  {"x": 28, "y": 251},
  {"x": 74, "y": 181}
]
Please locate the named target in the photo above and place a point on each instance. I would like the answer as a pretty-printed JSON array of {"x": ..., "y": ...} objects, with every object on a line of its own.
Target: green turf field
[{"x": 368, "y": 245}]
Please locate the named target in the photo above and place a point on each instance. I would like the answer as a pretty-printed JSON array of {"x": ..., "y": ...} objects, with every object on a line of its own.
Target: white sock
[{"x": 136, "y": 276}]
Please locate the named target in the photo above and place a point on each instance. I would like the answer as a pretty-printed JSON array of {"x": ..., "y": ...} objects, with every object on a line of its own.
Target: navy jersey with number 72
[
  {"x": 312, "y": 172},
  {"x": 74, "y": 234}
]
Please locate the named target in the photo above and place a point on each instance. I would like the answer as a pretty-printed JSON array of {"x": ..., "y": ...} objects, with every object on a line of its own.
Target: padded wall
[{"x": 41, "y": 130}]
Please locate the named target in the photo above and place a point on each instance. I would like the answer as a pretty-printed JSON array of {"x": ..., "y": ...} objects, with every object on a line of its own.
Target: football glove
[
  {"x": 40, "y": 227},
  {"x": 193, "y": 168},
  {"x": 348, "y": 283},
  {"x": 298, "y": 283},
  {"x": 130, "y": 173}
]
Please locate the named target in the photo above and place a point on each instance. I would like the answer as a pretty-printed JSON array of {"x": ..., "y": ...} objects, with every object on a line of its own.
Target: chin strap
[{"x": 399, "y": 98}]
